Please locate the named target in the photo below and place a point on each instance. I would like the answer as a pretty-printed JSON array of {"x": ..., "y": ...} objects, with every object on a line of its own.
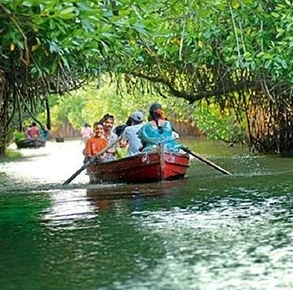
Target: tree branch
[{"x": 198, "y": 96}]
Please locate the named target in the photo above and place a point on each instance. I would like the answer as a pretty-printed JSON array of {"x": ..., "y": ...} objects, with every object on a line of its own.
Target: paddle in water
[
  {"x": 205, "y": 160},
  {"x": 92, "y": 160}
]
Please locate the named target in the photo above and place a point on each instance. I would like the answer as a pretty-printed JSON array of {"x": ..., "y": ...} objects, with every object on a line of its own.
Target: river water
[{"x": 207, "y": 231}]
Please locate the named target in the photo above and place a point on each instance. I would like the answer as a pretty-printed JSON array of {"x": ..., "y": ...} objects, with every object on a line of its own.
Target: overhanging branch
[{"x": 215, "y": 91}]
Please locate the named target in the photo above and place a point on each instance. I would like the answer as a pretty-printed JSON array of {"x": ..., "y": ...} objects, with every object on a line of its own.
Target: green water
[{"x": 207, "y": 231}]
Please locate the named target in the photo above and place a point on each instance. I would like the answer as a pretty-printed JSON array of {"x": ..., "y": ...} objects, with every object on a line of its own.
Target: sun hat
[{"x": 137, "y": 116}]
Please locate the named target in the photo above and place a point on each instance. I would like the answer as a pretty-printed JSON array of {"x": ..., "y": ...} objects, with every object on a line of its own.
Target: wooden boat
[
  {"x": 142, "y": 168},
  {"x": 31, "y": 143}
]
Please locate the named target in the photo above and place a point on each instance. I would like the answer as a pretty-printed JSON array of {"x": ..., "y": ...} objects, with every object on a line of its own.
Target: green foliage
[
  {"x": 10, "y": 155},
  {"x": 72, "y": 36},
  {"x": 182, "y": 47},
  {"x": 219, "y": 124},
  {"x": 90, "y": 104}
]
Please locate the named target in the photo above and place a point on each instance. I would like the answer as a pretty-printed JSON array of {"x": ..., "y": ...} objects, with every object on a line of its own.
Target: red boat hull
[{"x": 147, "y": 167}]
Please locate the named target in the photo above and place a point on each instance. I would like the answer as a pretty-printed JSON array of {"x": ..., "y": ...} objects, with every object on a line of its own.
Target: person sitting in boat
[
  {"x": 158, "y": 131},
  {"x": 130, "y": 133},
  {"x": 108, "y": 122},
  {"x": 86, "y": 132},
  {"x": 122, "y": 148},
  {"x": 96, "y": 143},
  {"x": 45, "y": 132},
  {"x": 33, "y": 131}
]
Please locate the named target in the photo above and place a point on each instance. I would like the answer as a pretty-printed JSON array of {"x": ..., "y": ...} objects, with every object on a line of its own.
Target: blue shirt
[{"x": 151, "y": 137}]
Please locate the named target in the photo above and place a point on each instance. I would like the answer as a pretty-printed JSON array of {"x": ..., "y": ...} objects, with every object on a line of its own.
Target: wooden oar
[
  {"x": 205, "y": 160},
  {"x": 91, "y": 161}
]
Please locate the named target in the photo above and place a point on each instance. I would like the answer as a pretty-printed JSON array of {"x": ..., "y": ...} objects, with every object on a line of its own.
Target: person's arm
[
  {"x": 103, "y": 144},
  {"x": 27, "y": 134},
  {"x": 112, "y": 150},
  {"x": 113, "y": 138},
  {"x": 88, "y": 148},
  {"x": 140, "y": 135}
]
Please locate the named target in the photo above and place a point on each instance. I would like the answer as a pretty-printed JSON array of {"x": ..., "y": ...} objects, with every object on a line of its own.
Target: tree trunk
[
  {"x": 3, "y": 130},
  {"x": 3, "y": 115}
]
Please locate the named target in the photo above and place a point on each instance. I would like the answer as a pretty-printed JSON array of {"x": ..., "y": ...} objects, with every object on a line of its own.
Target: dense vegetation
[
  {"x": 232, "y": 54},
  {"x": 89, "y": 104}
]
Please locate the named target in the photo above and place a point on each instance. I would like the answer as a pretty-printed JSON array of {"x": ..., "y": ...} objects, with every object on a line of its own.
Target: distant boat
[
  {"x": 142, "y": 168},
  {"x": 31, "y": 143},
  {"x": 59, "y": 139}
]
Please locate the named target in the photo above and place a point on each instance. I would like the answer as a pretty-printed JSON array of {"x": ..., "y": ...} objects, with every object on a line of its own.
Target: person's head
[
  {"x": 98, "y": 129},
  {"x": 136, "y": 117},
  {"x": 119, "y": 130},
  {"x": 123, "y": 143},
  {"x": 105, "y": 117},
  {"x": 108, "y": 121},
  {"x": 34, "y": 124},
  {"x": 156, "y": 112},
  {"x": 86, "y": 124},
  {"x": 128, "y": 121}
]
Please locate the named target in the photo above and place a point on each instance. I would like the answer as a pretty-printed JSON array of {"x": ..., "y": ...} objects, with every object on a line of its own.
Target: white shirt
[{"x": 112, "y": 138}]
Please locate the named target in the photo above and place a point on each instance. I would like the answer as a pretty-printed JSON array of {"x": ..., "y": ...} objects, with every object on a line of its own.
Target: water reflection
[
  {"x": 105, "y": 197},
  {"x": 67, "y": 207}
]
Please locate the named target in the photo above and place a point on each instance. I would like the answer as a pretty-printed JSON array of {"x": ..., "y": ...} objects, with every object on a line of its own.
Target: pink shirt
[
  {"x": 86, "y": 132},
  {"x": 33, "y": 132}
]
